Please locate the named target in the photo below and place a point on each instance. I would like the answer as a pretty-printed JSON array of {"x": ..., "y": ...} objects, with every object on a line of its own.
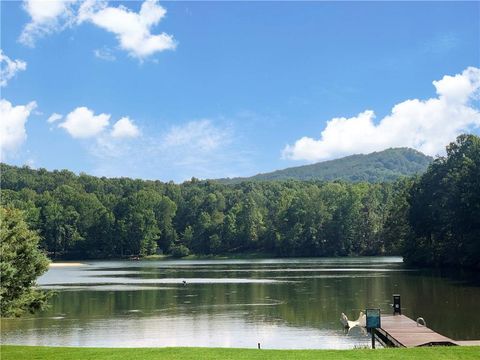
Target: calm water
[{"x": 294, "y": 303}]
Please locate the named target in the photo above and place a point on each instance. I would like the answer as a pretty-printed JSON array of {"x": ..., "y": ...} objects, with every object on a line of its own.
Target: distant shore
[
  {"x": 65, "y": 264},
  {"x": 245, "y": 255}
]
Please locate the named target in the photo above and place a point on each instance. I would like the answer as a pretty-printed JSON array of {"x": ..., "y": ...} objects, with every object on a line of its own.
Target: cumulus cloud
[
  {"x": 125, "y": 128},
  {"x": 12, "y": 126},
  {"x": 132, "y": 30},
  {"x": 83, "y": 123},
  {"x": 9, "y": 67},
  {"x": 54, "y": 117},
  {"x": 46, "y": 17},
  {"x": 425, "y": 125}
]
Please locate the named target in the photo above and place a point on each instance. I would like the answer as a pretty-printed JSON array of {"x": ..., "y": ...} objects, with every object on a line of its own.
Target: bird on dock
[{"x": 184, "y": 283}]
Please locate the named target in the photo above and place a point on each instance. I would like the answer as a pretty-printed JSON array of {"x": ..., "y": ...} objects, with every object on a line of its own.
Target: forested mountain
[{"x": 387, "y": 165}]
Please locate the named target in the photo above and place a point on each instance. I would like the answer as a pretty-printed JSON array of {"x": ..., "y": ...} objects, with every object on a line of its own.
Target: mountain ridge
[{"x": 380, "y": 166}]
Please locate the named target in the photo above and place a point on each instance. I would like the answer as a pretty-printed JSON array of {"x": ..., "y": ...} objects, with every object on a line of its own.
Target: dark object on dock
[
  {"x": 397, "y": 308},
  {"x": 184, "y": 283}
]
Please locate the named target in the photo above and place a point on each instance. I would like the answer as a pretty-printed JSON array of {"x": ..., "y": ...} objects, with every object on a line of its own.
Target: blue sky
[{"x": 232, "y": 88}]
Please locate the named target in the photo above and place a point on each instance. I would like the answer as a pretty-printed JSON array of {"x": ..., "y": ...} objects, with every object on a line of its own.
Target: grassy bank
[{"x": 50, "y": 353}]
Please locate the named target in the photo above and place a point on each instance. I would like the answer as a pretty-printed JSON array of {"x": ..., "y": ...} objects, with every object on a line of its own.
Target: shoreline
[
  {"x": 65, "y": 264},
  {"x": 228, "y": 256}
]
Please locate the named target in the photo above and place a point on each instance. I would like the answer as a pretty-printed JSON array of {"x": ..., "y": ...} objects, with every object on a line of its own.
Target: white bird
[{"x": 347, "y": 324}]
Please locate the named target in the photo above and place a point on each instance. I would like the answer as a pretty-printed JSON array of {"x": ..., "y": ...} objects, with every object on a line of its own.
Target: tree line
[
  {"x": 431, "y": 219},
  {"x": 86, "y": 216},
  {"x": 442, "y": 217}
]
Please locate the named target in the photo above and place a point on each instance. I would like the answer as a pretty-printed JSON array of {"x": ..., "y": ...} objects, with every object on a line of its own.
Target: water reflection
[{"x": 280, "y": 303}]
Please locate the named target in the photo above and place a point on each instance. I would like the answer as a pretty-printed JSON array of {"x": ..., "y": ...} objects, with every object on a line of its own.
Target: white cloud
[
  {"x": 125, "y": 128},
  {"x": 9, "y": 67},
  {"x": 54, "y": 117},
  {"x": 82, "y": 123},
  {"x": 203, "y": 148},
  {"x": 200, "y": 135},
  {"x": 12, "y": 126},
  {"x": 104, "y": 54},
  {"x": 426, "y": 125},
  {"x": 46, "y": 17},
  {"x": 460, "y": 88},
  {"x": 133, "y": 30}
]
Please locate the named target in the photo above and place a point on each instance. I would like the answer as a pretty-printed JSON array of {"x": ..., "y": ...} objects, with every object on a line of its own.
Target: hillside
[{"x": 387, "y": 165}]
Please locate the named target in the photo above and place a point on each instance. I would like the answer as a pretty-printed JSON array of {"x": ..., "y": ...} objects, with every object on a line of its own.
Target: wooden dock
[{"x": 401, "y": 331}]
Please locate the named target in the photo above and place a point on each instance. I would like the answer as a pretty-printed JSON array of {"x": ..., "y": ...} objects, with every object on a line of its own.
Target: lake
[{"x": 280, "y": 303}]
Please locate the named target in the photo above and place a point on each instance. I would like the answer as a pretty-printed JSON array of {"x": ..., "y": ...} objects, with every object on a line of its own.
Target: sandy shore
[{"x": 66, "y": 264}]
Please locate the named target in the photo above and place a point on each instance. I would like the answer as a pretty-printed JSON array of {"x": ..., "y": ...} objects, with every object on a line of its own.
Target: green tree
[
  {"x": 397, "y": 228},
  {"x": 21, "y": 262},
  {"x": 187, "y": 236},
  {"x": 444, "y": 211}
]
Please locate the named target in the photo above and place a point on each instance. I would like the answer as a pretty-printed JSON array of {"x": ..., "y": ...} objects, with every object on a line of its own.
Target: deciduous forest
[{"x": 431, "y": 219}]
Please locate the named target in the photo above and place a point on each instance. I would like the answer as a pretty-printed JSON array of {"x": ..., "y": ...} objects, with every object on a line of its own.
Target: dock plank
[{"x": 404, "y": 332}]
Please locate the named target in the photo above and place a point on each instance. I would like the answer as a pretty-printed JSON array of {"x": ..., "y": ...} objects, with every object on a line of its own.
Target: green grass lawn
[{"x": 9, "y": 352}]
